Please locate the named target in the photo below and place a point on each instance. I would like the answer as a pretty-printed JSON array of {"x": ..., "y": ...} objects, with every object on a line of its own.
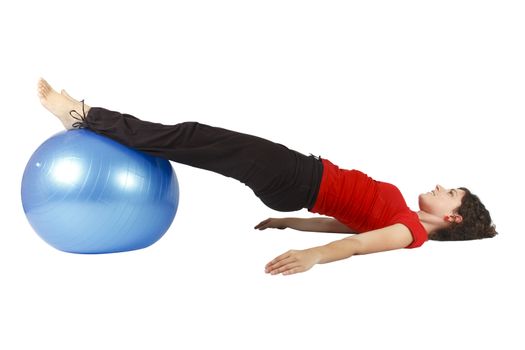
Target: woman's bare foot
[
  {"x": 60, "y": 104},
  {"x": 64, "y": 93}
]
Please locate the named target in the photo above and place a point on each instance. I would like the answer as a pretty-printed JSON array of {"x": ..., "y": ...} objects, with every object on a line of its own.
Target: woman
[{"x": 286, "y": 180}]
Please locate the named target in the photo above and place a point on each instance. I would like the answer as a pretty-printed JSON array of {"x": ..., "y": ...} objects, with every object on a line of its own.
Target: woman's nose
[{"x": 438, "y": 188}]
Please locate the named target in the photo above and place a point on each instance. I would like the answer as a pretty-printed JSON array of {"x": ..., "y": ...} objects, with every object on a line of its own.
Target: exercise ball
[{"x": 86, "y": 193}]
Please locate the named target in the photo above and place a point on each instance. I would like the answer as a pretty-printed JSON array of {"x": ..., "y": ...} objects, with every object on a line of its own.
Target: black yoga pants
[{"x": 284, "y": 179}]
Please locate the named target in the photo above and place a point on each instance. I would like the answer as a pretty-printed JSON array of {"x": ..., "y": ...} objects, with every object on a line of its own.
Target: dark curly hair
[{"x": 476, "y": 223}]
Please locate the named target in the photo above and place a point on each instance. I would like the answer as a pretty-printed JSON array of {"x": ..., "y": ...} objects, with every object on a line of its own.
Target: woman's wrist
[
  {"x": 285, "y": 222},
  {"x": 316, "y": 253},
  {"x": 337, "y": 250}
]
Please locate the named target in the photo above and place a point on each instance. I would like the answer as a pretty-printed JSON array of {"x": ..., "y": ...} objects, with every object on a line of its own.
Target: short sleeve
[{"x": 419, "y": 234}]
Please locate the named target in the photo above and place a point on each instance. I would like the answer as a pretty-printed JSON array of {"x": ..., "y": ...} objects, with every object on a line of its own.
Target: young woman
[{"x": 286, "y": 180}]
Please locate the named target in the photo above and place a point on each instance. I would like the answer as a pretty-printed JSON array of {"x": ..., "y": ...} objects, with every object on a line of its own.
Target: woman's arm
[
  {"x": 389, "y": 238},
  {"x": 392, "y": 237},
  {"x": 306, "y": 224}
]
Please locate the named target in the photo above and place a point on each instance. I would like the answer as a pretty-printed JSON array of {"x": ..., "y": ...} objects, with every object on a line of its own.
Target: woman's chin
[{"x": 422, "y": 199}]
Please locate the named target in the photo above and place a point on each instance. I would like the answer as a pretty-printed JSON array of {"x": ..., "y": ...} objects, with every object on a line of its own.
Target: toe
[
  {"x": 41, "y": 91},
  {"x": 45, "y": 85},
  {"x": 43, "y": 88}
]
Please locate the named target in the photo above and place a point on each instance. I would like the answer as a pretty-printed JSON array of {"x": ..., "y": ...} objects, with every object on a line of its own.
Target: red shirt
[{"x": 364, "y": 204}]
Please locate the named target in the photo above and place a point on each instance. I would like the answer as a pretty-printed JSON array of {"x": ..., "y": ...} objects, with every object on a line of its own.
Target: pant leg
[{"x": 282, "y": 178}]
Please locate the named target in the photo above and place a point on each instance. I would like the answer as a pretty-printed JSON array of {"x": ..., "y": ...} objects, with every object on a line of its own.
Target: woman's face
[{"x": 441, "y": 201}]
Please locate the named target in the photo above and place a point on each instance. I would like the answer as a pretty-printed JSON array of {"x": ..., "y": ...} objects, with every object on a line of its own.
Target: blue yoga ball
[{"x": 85, "y": 193}]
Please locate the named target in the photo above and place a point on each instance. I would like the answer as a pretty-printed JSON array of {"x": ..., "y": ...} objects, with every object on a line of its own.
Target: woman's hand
[
  {"x": 293, "y": 261},
  {"x": 279, "y": 223}
]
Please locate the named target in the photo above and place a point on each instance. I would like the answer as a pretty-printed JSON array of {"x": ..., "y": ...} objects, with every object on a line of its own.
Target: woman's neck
[{"x": 431, "y": 222}]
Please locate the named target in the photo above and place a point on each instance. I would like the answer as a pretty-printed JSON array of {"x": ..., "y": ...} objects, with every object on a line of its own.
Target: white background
[{"x": 411, "y": 92}]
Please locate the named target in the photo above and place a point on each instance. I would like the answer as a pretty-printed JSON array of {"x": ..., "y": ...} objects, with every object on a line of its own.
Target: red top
[{"x": 364, "y": 204}]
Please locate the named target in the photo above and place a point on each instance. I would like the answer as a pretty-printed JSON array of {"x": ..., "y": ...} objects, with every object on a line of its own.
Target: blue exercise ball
[{"x": 85, "y": 193}]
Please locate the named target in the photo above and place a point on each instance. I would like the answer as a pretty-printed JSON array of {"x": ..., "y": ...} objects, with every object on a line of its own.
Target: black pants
[{"x": 284, "y": 179}]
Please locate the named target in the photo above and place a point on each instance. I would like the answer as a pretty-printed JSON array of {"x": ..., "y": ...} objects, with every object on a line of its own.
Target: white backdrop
[{"x": 411, "y": 92}]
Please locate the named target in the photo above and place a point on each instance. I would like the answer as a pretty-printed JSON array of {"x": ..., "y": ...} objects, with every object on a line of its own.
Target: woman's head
[
  {"x": 467, "y": 216},
  {"x": 441, "y": 202}
]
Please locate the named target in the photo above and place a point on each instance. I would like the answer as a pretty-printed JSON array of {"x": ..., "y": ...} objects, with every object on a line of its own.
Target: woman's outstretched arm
[
  {"x": 294, "y": 261},
  {"x": 305, "y": 224}
]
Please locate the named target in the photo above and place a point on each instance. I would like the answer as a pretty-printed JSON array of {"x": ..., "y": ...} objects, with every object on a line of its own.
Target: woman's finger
[
  {"x": 262, "y": 224},
  {"x": 292, "y": 271},
  {"x": 287, "y": 269},
  {"x": 279, "y": 258},
  {"x": 281, "y": 263}
]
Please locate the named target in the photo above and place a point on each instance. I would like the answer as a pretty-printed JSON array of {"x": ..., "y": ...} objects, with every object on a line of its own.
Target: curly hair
[{"x": 476, "y": 223}]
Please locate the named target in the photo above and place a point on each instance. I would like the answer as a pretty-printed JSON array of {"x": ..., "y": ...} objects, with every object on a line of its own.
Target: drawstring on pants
[{"x": 82, "y": 121}]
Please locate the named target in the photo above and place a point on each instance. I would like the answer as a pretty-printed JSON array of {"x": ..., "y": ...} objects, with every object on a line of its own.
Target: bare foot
[
  {"x": 60, "y": 105},
  {"x": 64, "y": 93}
]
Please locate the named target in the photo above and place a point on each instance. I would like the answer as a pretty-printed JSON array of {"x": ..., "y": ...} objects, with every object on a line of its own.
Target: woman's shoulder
[{"x": 411, "y": 220}]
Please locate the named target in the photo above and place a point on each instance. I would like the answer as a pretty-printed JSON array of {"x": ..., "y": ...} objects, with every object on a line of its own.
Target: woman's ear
[{"x": 455, "y": 218}]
